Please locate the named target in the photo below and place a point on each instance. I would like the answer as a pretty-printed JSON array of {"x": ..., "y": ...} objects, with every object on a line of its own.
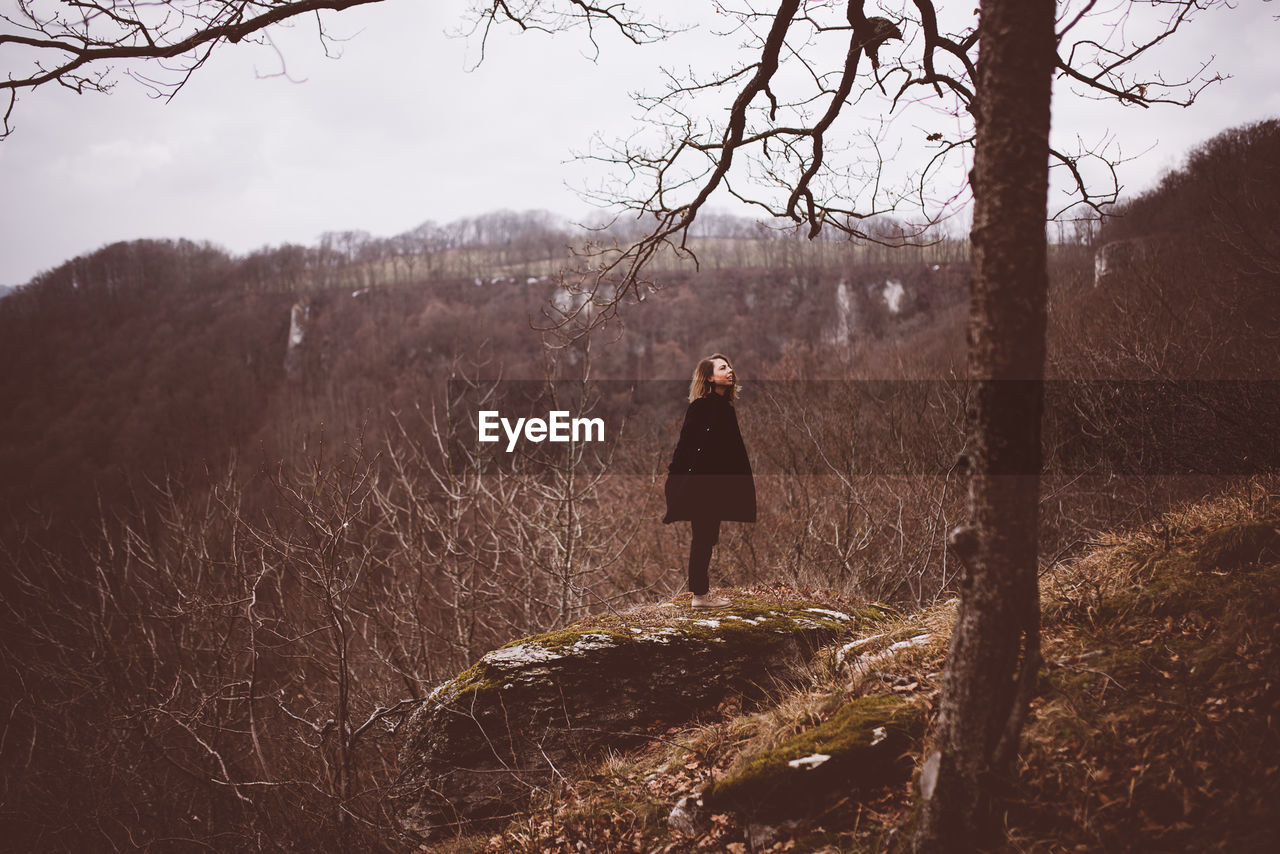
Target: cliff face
[
  {"x": 530, "y": 712},
  {"x": 1120, "y": 256}
]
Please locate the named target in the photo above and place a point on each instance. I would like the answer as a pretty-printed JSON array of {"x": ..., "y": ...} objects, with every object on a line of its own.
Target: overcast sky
[{"x": 398, "y": 131}]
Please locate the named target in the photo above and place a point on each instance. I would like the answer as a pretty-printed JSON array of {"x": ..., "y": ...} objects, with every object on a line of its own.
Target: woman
[{"x": 709, "y": 479}]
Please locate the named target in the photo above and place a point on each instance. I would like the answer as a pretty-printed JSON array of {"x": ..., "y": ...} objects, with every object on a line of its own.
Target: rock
[
  {"x": 762, "y": 837},
  {"x": 478, "y": 746},
  {"x": 860, "y": 747},
  {"x": 1120, "y": 256},
  {"x": 687, "y": 816}
]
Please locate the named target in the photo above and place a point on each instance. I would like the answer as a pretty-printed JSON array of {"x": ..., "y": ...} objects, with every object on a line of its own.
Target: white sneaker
[{"x": 709, "y": 601}]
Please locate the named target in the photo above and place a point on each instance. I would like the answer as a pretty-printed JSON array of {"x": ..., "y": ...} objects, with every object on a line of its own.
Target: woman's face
[{"x": 721, "y": 374}]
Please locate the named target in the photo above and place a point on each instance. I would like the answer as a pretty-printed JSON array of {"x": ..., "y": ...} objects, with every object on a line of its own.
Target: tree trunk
[{"x": 995, "y": 648}]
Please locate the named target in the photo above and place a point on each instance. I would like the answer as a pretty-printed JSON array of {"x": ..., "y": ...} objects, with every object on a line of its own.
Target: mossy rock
[
  {"x": 861, "y": 747},
  {"x": 1237, "y": 546},
  {"x": 539, "y": 706}
]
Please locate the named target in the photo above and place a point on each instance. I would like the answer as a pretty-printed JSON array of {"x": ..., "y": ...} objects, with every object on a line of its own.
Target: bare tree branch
[{"x": 773, "y": 149}]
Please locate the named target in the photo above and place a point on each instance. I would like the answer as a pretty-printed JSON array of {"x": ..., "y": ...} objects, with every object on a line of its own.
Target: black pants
[{"x": 706, "y": 533}]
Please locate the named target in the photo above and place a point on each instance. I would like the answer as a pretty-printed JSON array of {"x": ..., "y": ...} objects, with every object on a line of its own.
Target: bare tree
[
  {"x": 77, "y": 45},
  {"x": 506, "y": 544},
  {"x": 995, "y": 646},
  {"x": 805, "y": 143},
  {"x": 440, "y": 504},
  {"x": 82, "y": 45},
  {"x": 570, "y": 540}
]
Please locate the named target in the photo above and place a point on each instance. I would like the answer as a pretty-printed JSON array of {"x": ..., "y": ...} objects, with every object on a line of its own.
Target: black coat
[{"x": 710, "y": 475}]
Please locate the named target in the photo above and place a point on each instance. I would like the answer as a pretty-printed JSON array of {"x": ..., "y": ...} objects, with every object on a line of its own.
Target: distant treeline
[{"x": 494, "y": 246}]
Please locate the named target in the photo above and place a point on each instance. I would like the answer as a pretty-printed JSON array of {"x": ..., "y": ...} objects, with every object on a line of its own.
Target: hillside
[
  {"x": 1154, "y": 727},
  {"x": 155, "y": 360},
  {"x": 247, "y": 521}
]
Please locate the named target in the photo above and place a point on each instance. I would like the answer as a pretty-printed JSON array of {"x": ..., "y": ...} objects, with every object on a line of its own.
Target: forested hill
[
  {"x": 154, "y": 359},
  {"x": 1223, "y": 199}
]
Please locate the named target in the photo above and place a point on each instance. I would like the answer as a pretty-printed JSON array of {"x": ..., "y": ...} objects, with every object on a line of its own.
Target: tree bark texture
[{"x": 994, "y": 652}]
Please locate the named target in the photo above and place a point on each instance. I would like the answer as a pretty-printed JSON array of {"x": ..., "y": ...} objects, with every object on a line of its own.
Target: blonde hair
[{"x": 701, "y": 385}]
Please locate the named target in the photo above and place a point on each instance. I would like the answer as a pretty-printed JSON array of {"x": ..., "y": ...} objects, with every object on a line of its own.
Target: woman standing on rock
[{"x": 709, "y": 479}]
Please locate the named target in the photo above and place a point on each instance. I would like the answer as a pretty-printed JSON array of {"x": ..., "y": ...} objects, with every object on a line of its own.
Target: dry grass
[
  {"x": 1155, "y": 728},
  {"x": 1119, "y": 560}
]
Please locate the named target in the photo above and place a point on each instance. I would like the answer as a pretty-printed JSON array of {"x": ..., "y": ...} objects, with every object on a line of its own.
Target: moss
[
  {"x": 748, "y": 616},
  {"x": 745, "y": 624},
  {"x": 1191, "y": 643},
  {"x": 877, "y": 612},
  {"x": 564, "y": 639},
  {"x": 1236, "y": 546},
  {"x": 1115, "y": 608},
  {"x": 1130, "y": 664},
  {"x": 1171, "y": 565},
  {"x": 474, "y": 679},
  {"x": 1175, "y": 584},
  {"x": 1173, "y": 593},
  {"x": 863, "y": 742}
]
